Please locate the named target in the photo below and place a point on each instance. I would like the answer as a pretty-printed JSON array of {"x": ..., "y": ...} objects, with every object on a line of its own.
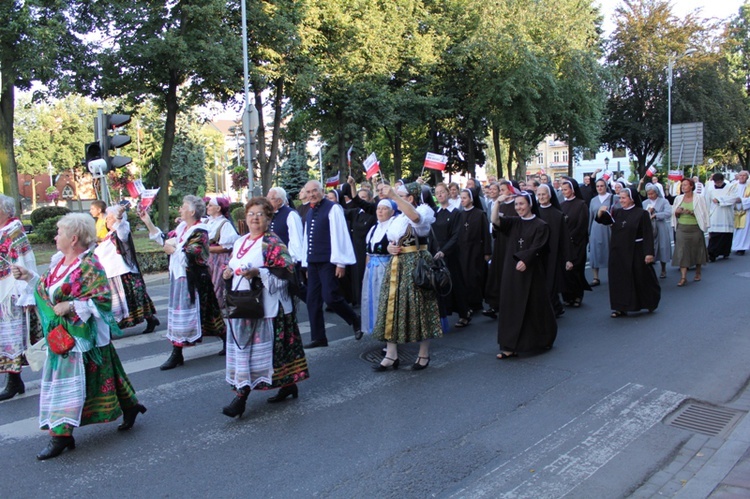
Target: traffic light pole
[
  {"x": 100, "y": 132},
  {"x": 249, "y": 135}
]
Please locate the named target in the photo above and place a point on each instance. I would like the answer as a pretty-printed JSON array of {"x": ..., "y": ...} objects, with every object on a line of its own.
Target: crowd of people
[{"x": 514, "y": 251}]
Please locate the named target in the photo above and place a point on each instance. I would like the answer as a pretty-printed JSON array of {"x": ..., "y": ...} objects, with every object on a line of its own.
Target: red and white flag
[
  {"x": 349, "y": 156},
  {"x": 147, "y": 197},
  {"x": 333, "y": 181},
  {"x": 606, "y": 175},
  {"x": 651, "y": 171},
  {"x": 435, "y": 161},
  {"x": 675, "y": 175},
  {"x": 135, "y": 188},
  {"x": 372, "y": 165}
]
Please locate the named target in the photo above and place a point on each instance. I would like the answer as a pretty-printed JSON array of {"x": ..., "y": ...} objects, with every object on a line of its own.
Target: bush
[
  {"x": 238, "y": 214},
  {"x": 173, "y": 214},
  {"x": 153, "y": 261},
  {"x": 233, "y": 207},
  {"x": 46, "y": 230},
  {"x": 45, "y": 212}
]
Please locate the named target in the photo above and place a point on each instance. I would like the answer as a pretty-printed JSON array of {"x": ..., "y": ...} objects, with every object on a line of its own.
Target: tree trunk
[
  {"x": 398, "y": 151},
  {"x": 7, "y": 155},
  {"x": 570, "y": 157},
  {"x": 437, "y": 175},
  {"x": 260, "y": 141},
  {"x": 471, "y": 161},
  {"x": 498, "y": 151},
  {"x": 511, "y": 150},
  {"x": 165, "y": 162}
]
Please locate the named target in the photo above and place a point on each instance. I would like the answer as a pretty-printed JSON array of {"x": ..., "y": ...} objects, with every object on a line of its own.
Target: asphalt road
[{"x": 582, "y": 420}]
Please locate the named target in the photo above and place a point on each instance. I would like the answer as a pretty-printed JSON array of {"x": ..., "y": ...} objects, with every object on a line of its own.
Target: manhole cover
[
  {"x": 405, "y": 355},
  {"x": 705, "y": 419}
]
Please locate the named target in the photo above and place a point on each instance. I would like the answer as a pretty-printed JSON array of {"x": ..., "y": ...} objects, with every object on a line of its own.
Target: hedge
[{"x": 45, "y": 212}]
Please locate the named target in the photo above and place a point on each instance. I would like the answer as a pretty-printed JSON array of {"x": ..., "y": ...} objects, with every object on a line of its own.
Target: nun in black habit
[
  {"x": 558, "y": 258},
  {"x": 633, "y": 285},
  {"x": 504, "y": 206},
  {"x": 577, "y": 218},
  {"x": 474, "y": 249},
  {"x": 527, "y": 321}
]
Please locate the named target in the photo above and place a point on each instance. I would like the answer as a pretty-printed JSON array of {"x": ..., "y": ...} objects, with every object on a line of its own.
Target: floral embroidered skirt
[
  {"x": 263, "y": 363},
  {"x": 12, "y": 338},
  {"x": 406, "y": 313},
  {"x": 217, "y": 262},
  {"x": 139, "y": 304},
  {"x": 78, "y": 392}
]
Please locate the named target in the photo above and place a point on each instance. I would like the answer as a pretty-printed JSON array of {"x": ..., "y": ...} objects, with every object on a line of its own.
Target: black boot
[
  {"x": 129, "y": 415},
  {"x": 14, "y": 386},
  {"x": 237, "y": 406},
  {"x": 151, "y": 324},
  {"x": 56, "y": 446},
  {"x": 223, "y": 350},
  {"x": 174, "y": 360},
  {"x": 284, "y": 392}
]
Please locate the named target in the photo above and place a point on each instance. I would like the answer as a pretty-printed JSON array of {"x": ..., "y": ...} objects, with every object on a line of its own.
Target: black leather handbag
[
  {"x": 246, "y": 304},
  {"x": 441, "y": 277},
  {"x": 423, "y": 275}
]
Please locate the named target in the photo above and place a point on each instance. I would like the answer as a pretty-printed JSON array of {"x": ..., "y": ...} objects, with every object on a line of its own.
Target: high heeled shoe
[
  {"x": 284, "y": 392},
  {"x": 56, "y": 446},
  {"x": 418, "y": 367},
  {"x": 236, "y": 407},
  {"x": 129, "y": 415},
  {"x": 380, "y": 367}
]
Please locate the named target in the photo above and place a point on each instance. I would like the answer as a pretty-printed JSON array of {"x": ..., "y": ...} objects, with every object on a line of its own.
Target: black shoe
[
  {"x": 741, "y": 252},
  {"x": 129, "y": 415},
  {"x": 284, "y": 393},
  {"x": 418, "y": 367},
  {"x": 316, "y": 344},
  {"x": 357, "y": 327},
  {"x": 174, "y": 360},
  {"x": 56, "y": 446},
  {"x": 237, "y": 406},
  {"x": 223, "y": 350},
  {"x": 711, "y": 258},
  {"x": 13, "y": 387},
  {"x": 151, "y": 324},
  {"x": 490, "y": 312},
  {"x": 380, "y": 367}
]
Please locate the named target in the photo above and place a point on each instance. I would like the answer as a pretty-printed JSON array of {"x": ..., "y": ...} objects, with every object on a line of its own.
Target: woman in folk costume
[
  {"x": 131, "y": 304},
  {"x": 633, "y": 285},
  {"x": 527, "y": 320},
  {"x": 577, "y": 217},
  {"x": 660, "y": 212},
  {"x": 221, "y": 238},
  {"x": 266, "y": 353},
  {"x": 376, "y": 263},
  {"x": 87, "y": 384},
  {"x": 406, "y": 313},
  {"x": 193, "y": 310},
  {"x": 14, "y": 322}
]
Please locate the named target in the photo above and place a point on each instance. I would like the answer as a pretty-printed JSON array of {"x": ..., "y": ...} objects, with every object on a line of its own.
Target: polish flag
[
  {"x": 606, "y": 175},
  {"x": 372, "y": 165},
  {"x": 675, "y": 175},
  {"x": 135, "y": 188},
  {"x": 435, "y": 161},
  {"x": 333, "y": 181},
  {"x": 651, "y": 171},
  {"x": 147, "y": 198}
]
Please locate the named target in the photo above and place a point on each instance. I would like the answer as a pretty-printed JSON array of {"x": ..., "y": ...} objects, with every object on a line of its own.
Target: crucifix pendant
[{"x": 520, "y": 243}]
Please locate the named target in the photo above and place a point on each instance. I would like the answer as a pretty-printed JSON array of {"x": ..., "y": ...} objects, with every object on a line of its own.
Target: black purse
[
  {"x": 423, "y": 275},
  {"x": 246, "y": 304},
  {"x": 441, "y": 277}
]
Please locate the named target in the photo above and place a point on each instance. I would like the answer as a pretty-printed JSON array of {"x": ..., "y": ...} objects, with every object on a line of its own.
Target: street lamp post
[{"x": 670, "y": 67}]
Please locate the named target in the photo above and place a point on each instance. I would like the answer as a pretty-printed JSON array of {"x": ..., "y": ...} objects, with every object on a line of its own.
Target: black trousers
[{"x": 323, "y": 286}]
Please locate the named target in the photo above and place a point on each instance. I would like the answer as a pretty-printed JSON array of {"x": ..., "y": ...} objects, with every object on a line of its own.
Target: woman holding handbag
[
  {"x": 83, "y": 381},
  {"x": 14, "y": 250},
  {"x": 263, "y": 353}
]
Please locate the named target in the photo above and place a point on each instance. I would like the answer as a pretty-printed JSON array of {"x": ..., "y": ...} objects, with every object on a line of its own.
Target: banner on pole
[
  {"x": 675, "y": 175},
  {"x": 333, "y": 181},
  {"x": 651, "y": 171}
]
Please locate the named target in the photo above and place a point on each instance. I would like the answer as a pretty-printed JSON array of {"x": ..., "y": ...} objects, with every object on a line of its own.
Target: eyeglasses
[{"x": 258, "y": 214}]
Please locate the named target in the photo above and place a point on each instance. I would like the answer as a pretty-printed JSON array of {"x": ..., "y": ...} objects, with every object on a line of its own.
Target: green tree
[
  {"x": 178, "y": 54},
  {"x": 294, "y": 171},
  {"x": 736, "y": 52},
  {"x": 188, "y": 173},
  {"x": 646, "y": 36},
  {"x": 37, "y": 43}
]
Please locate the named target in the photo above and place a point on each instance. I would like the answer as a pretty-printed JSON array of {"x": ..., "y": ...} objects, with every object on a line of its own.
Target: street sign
[{"x": 687, "y": 144}]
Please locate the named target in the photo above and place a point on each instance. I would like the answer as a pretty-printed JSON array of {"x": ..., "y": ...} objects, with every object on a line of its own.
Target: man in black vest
[
  {"x": 327, "y": 251},
  {"x": 287, "y": 224}
]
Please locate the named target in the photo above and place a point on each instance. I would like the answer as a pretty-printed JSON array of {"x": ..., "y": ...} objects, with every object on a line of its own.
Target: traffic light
[
  {"x": 111, "y": 123},
  {"x": 93, "y": 159}
]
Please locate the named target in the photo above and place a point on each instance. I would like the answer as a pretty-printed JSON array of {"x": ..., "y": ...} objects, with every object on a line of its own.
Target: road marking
[
  {"x": 316, "y": 399},
  {"x": 607, "y": 427}
]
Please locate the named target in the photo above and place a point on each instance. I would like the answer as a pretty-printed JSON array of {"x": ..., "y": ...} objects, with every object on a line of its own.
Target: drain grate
[
  {"x": 374, "y": 356},
  {"x": 705, "y": 419}
]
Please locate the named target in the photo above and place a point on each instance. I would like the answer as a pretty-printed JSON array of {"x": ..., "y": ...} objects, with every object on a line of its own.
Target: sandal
[
  {"x": 663, "y": 275},
  {"x": 618, "y": 313},
  {"x": 462, "y": 322},
  {"x": 595, "y": 282},
  {"x": 682, "y": 282},
  {"x": 697, "y": 277},
  {"x": 503, "y": 355}
]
